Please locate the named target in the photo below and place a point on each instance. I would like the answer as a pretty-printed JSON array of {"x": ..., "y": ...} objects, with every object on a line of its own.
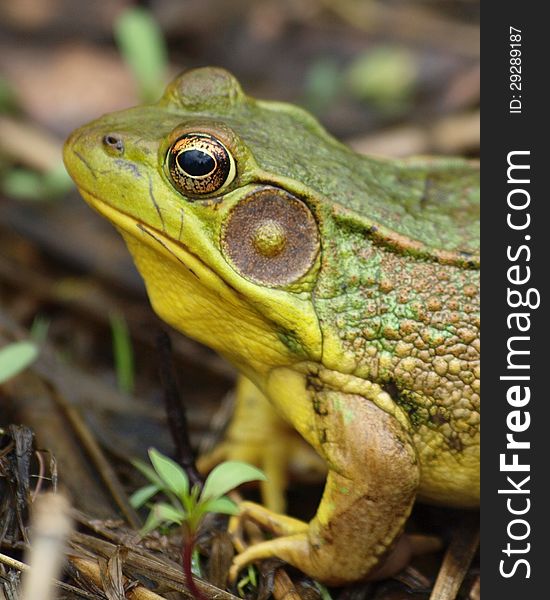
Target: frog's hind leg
[
  {"x": 369, "y": 493},
  {"x": 258, "y": 435}
]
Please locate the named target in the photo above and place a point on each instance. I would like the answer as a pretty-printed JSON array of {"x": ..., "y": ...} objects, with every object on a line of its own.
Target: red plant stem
[{"x": 186, "y": 561}]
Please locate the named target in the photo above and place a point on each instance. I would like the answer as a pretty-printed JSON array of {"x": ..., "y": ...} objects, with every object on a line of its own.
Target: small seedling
[{"x": 188, "y": 505}]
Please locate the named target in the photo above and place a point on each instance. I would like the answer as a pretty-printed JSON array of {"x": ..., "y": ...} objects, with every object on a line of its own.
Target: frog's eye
[
  {"x": 271, "y": 237},
  {"x": 200, "y": 164}
]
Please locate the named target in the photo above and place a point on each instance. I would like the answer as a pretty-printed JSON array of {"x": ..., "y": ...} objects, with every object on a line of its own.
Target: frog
[{"x": 344, "y": 289}]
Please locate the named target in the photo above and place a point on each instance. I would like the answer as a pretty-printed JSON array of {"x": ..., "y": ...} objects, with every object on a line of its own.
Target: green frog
[{"x": 343, "y": 288}]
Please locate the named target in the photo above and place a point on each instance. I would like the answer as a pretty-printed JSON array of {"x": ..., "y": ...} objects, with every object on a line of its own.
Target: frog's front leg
[
  {"x": 370, "y": 489},
  {"x": 258, "y": 435}
]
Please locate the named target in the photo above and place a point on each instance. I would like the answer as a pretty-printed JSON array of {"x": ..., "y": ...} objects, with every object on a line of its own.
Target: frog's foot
[
  {"x": 292, "y": 531},
  {"x": 257, "y": 435},
  {"x": 295, "y": 548}
]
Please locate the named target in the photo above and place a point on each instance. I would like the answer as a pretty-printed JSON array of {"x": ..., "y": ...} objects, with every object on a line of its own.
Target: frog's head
[{"x": 210, "y": 190}]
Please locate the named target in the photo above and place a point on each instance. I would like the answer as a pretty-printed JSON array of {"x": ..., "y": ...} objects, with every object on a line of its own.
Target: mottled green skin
[
  {"x": 406, "y": 314},
  {"x": 434, "y": 201},
  {"x": 392, "y": 298},
  {"x": 412, "y": 325}
]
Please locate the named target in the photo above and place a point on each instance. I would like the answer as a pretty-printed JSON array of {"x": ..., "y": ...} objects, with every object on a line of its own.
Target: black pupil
[{"x": 195, "y": 162}]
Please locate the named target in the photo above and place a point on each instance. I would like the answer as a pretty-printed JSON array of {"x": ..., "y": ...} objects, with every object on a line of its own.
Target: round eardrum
[{"x": 271, "y": 237}]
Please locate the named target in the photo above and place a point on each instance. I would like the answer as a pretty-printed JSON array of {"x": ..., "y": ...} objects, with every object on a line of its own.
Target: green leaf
[
  {"x": 227, "y": 476},
  {"x": 161, "y": 514},
  {"x": 170, "y": 472},
  {"x": 196, "y": 563},
  {"x": 222, "y": 505},
  {"x": 140, "y": 497},
  {"x": 141, "y": 43},
  {"x": 25, "y": 184},
  {"x": 252, "y": 575},
  {"x": 148, "y": 472},
  {"x": 153, "y": 522},
  {"x": 168, "y": 513},
  {"x": 16, "y": 357}
]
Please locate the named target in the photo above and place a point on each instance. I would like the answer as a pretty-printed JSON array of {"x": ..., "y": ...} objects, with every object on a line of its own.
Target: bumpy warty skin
[{"x": 411, "y": 325}]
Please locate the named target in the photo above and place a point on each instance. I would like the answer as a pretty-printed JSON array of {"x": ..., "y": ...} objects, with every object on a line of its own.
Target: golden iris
[{"x": 199, "y": 164}]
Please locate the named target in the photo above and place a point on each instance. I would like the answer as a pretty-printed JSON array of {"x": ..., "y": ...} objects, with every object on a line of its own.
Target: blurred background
[
  {"x": 361, "y": 66},
  {"x": 389, "y": 77}
]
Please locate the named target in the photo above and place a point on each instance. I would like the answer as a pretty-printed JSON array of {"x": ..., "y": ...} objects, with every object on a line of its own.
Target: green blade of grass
[
  {"x": 123, "y": 354},
  {"x": 325, "y": 594},
  {"x": 39, "y": 329},
  {"x": 142, "y": 46}
]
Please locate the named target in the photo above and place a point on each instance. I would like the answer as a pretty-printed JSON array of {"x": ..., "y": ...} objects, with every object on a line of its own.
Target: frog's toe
[
  {"x": 273, "y": 522},
  {"x": 293, "y": 546},
  {"x": 292, "y": 549}
]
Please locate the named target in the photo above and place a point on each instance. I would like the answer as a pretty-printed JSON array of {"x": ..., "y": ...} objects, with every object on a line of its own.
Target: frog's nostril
[{"x": 114, "y": 143}]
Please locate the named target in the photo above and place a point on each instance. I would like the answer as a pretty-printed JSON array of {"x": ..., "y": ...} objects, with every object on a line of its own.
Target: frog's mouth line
[{"x": 176, "y": 250}]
